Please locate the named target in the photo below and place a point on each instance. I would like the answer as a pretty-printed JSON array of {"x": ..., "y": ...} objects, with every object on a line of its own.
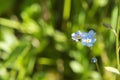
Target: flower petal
[
  {"x": 89, "y": 44},
  {"x": 76, "y": 36},
  {"x": 78, "y": 32},
  {"x": 91, "y": 33},
  {"x": 84, "y": 35},
  {"x": 94, "y": 60}
]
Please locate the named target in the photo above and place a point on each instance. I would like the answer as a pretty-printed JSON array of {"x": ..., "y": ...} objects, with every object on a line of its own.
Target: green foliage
[{"x": 36, "y": 44}]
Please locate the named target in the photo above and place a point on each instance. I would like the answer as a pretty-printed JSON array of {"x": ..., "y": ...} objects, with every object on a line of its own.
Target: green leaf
[
  {"x": 76, "y": 67},
  {"x": 15, "y": 54},
  {"x": 67, "y": 8},
  {"x": 114, "y": 17},
  {"x": 112, "y": 69},
  {"x": 9, "y": 23}
]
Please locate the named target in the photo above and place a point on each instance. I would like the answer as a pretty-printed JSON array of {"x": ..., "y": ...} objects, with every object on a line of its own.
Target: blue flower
[
  {"x": 88, "y": 38},
  {"x": 76, "y": 36},
  {"x": 93, "y": 60}
]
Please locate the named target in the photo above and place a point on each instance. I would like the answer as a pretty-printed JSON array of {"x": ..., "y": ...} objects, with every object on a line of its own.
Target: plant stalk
[
  {"x": 97, "y": 66},
  {"x": 117, "y": 36}
]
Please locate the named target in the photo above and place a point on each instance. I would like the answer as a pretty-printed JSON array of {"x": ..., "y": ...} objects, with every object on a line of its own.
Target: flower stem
[
  {"x": 117, "y": 36},
  {"x": 113, "y": 30},
  {"x": 97, "y": 66},
  {"x": 117, "y": 53}
]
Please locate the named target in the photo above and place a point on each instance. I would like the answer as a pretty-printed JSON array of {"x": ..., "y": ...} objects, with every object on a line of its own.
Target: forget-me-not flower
[
  {"x": 76, "y": 36},
  {"x": 93, "y": 60},
  {"x": 88, "y": 39}
]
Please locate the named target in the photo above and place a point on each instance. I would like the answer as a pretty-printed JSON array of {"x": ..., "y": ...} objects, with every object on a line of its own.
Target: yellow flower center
[
  {"x": 78, "y": 37},
  {"x": 88, "y": 40}
]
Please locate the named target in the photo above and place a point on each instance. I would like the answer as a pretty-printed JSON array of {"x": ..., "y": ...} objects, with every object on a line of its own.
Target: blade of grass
[{"x": 15, "y": 54}]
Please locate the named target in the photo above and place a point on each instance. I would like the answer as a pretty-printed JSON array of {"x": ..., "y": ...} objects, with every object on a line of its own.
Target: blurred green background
[{"x": 36, "y": 44}]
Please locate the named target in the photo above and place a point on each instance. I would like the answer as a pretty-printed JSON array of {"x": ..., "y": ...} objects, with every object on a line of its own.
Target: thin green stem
[
  {"x": 97, "y": 66},
  {"x": 117, "y": 53},
  {"x": 96, "y": 63},
  {"x": 117, "y": 36},
  {"x": 113, "y": 30}
]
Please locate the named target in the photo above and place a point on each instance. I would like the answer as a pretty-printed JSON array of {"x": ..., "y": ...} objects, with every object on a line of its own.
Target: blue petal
[
  {"x": 83, "y": 42},
  {"x": 93, "y": 40},
  {"x": 78, "y": 32},
  {"x": 74, "y": 35},
  {"x": 74, "y": 38},
  {"x": 89, "y": 44},
  {"x": 84, "y": 35},
  {"x": 94, "y": 60},
  {"x": 86, "y": 44},
  {"x": 91, "y": 33}
]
